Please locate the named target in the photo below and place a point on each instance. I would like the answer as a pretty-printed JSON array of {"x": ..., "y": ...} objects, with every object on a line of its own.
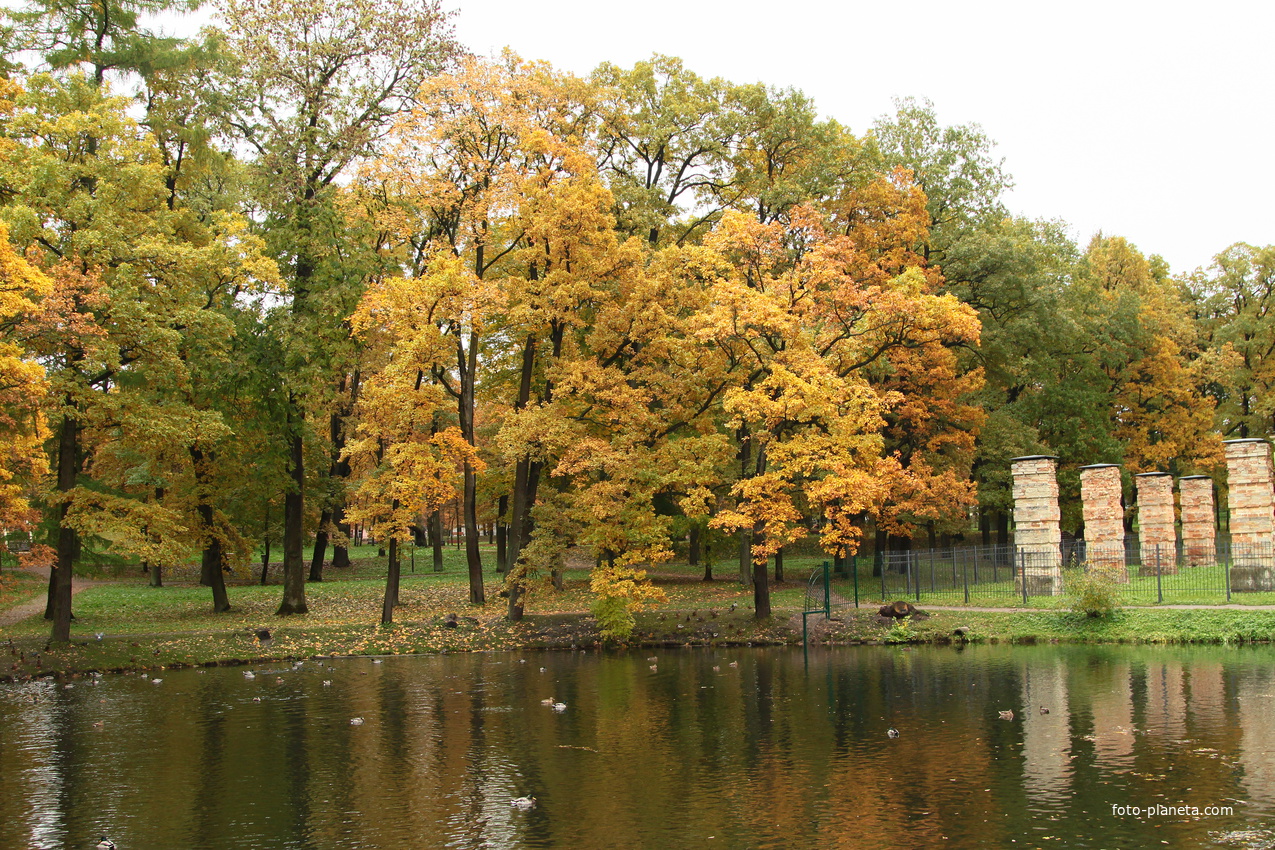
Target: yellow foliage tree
[{"x": 22, "y": 388}]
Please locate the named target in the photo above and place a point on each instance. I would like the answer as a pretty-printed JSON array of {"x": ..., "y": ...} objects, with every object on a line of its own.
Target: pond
[{"x": 698, "y": 748}]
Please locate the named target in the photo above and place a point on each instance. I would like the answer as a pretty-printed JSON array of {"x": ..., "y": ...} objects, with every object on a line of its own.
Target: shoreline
[{"x": 32, "y": 657}]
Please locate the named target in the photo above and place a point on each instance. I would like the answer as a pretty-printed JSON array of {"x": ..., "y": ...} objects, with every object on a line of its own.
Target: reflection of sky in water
[{"x": 768, "y": 753}]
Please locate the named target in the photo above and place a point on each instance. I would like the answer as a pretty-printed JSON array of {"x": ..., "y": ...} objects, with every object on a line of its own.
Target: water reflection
[{"x": 699, "y": 748}]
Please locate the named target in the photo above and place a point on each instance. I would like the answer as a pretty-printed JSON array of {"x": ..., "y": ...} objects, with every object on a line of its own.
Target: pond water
[{"x": 700, "y": 748}]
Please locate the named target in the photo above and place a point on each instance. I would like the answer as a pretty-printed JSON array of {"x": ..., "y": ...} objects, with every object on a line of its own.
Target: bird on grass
[{"x": 1044, "y": 710}]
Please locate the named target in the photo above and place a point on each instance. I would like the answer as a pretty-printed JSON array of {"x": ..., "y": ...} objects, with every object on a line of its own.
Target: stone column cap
[
  {"x": 1033, "y": 457},
  {"x": 1195, "y": 477},
  {"x": 1244, "y": 440},
  {"x": 1099, "y": 466},
  {"x": 1152, "y": 475}
]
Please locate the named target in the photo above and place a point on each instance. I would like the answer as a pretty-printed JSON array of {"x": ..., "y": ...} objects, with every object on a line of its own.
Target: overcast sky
[{"x": 1130, "y": 118}]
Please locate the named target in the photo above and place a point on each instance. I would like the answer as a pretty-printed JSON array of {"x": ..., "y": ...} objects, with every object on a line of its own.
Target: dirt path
[{"x": 18, "y": 613}]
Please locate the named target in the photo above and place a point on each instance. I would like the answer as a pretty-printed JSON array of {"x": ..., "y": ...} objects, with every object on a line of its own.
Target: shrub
[
  {"x": 620, "y": 591},
  {"x": 900, "y": 632},
  {"x": 1094, "y": 595}
]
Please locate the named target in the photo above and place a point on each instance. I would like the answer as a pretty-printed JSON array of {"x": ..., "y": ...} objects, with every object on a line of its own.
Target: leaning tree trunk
[{"x": 320, "y": 546}]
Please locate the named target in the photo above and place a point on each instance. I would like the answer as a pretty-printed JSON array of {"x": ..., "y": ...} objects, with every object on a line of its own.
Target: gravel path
[{"x": 18, "y": 613}]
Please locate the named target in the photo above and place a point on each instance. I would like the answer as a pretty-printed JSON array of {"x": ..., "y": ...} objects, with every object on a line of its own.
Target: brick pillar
[
  {"x": 1199, "y": 535},
  {"x": 1157, "y": 536},
  {"x": 1037, "y": 538},
  {"x": 1251, "y": 499},
  {"x": 1103, "y": 505}
]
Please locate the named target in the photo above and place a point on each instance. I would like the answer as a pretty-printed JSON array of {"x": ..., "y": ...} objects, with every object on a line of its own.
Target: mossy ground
[{"x": 146, "y": 627}]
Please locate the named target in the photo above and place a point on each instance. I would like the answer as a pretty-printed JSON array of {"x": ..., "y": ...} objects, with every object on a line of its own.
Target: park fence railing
[{"x": 1006, "y": 575}]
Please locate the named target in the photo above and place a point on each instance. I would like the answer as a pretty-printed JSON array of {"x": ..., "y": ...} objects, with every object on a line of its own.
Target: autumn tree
[
  {"x": 314, "y": 88},
  {"x": 131, "y": 281},
  {"x": 22, "y": 386},
  {"x": 405, "y": 464},
  {"x": 802, "y": 313}
]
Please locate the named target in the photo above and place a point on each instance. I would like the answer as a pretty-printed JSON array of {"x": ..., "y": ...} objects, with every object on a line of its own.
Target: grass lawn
[{"x": 148, "y": 627}]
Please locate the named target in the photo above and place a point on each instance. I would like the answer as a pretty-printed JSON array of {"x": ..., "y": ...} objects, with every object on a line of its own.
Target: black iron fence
[{"x": 1155, "y": 573}]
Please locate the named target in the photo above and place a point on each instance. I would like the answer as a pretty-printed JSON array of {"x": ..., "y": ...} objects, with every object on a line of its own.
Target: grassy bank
[{"x": 123, "y": 623}]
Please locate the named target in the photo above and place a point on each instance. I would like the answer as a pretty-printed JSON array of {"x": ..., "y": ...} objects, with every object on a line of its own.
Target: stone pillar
[
  {"x": 1037, "y": 537},
  {"x": 1103, "y": 506},
  {"x": 1251, "y": 499},
  {"x": 1157, "y": 536},
  {"x": 1199, "y": 536}
]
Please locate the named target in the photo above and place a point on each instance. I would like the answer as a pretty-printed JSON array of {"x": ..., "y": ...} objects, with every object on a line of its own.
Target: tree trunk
[
  {"x": 212, "y": 562},
  {"x": 436, "y": 539},
  {"x": 210, "y": 571},
  {"x": 340, "y": 552},
  {"x": 779, "y": 565},
  {"x": 879, "y": 552},
  {"x": 391, "y": 582},
  {"x": 526, "y": 527},
  {"x": 985, "y": 525},
  {"x": 692, "y": 558},
  {"x": 59, "y": 603},
  {"x": 521, "y": 509},
  {"x": 265, "y": 545},
  {"x": 502, "y": 535},
  {"x": 320, "y": 546},
  {"x": 745, "y": 548},
  {"x": 293, "y": 523},
  {"x": 156, "y": 570},
  {"x": 477, "y": 591},
  {"x": 338, "y": 473},
  {"x": 761, "y": 582}
]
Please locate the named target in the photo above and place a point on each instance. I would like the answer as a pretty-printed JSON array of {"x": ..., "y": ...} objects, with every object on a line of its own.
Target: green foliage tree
[{"x": 312, "y": 88}]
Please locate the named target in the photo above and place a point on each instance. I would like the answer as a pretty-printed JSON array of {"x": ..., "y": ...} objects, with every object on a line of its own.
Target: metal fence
[{"x": 1000, "y": 575}]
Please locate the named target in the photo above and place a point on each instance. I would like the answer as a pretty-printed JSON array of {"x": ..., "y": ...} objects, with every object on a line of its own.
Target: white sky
[
  {"x": 1148, "y": 120},
  {"x": 1144, "y": 120}
]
